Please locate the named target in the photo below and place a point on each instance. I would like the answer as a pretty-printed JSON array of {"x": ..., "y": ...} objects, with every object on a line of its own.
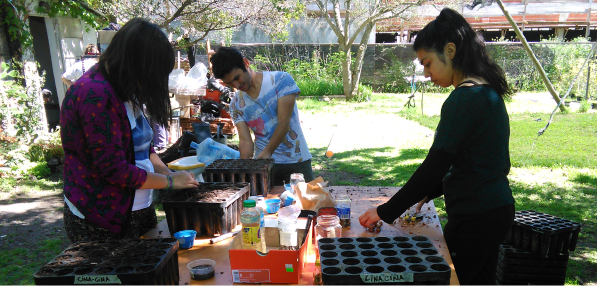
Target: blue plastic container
[
  {"x": 210, "y": 150},
  {"x": 272, "y": 205},
  {"x": 186, "y": 238}
]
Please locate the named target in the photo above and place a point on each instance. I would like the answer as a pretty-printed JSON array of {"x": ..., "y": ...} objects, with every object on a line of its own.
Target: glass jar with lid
[
  {"x": 328, "y": 226},
  {"x": 343, "y": 206}
]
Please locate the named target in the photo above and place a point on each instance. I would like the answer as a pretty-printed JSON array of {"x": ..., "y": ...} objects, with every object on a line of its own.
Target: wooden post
[
  {"x": 531, "y": 54},
  {"x": 524, "y": 14},
  {"x": 588, "y": 81},
  {"x": 461, "y": 7},
  {"x": 208, "y": 48},
  {"x": 588, "y": 32}
]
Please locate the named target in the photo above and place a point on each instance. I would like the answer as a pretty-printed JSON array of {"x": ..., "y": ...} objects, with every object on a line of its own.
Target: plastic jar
[
  {"x": 288, "y": 234},
  {"x": 296, "y": 178},
  {"x": 328, "y": 226},
  {"x": 343, "y": 206},
  {"x": 250, "y": 218}
]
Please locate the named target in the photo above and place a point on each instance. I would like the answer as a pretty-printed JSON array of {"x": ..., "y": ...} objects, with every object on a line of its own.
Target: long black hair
[
  {"x": 471, "y": 58},
  {"x": 137, "y": 64}
]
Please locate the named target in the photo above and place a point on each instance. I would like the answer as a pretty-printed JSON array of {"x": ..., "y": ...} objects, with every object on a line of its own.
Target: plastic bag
[
  {"x": 176, "y": 79},
  {"x": 197, "y": 77},
  {"x": 210, "y": 150},
  {"x": 314, "y": 195},
  {"x": 289, "y": 213}
]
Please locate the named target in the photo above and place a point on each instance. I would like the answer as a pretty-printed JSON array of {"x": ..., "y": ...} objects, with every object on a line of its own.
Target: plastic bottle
[
  {"x": 261, "y": 208},
  {"x": 250, "y": 219},
  {"x": 343, "y": 206},
  {"x": 210, "y": 150}
]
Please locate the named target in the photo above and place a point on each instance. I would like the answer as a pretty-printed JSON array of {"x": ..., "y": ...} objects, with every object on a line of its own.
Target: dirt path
[{"x": 33, "y": 217}]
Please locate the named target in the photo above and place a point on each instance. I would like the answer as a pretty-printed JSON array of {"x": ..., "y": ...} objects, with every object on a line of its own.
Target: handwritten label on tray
[
  {"x": 387, "y": 277},
  {"x": 97, "y": 279}
]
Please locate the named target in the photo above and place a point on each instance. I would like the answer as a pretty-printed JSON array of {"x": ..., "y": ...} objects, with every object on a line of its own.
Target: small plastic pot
[
  {"x": 186, "y": 238},
  {"x": 272, "y": 205},
  {"x": 202, "y": 269}
]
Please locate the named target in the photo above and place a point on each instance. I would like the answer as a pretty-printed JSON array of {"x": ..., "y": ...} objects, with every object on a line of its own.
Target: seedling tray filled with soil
[
  {"x": 132, "y": 261},
  {"x": 211, "y": 208},
  {"x": 258, "y": 172},
  {"x": 382, "y": 260}
]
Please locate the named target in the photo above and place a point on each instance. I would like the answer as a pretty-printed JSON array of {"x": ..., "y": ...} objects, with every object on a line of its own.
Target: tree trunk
[
  {"x": 347, "y": 71},
  {"x": 357, "y": 68}
]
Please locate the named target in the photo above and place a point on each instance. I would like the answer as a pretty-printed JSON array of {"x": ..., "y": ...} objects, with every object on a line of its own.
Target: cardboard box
[{"x": 277, "y": 266}]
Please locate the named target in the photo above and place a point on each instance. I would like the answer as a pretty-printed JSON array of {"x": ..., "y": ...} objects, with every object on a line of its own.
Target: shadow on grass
[
  {"x": 585, "y": 179},
  {"x": 367, "y": 167},
  {"x": 577, "y": 205}
]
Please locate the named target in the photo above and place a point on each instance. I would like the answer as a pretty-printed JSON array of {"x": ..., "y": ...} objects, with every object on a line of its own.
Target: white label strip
[
  {"x": 97, "y": 279},
  {"x": 387, "y": 277}
]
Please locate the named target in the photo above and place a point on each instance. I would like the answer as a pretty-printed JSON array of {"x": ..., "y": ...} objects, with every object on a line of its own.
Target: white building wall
[{"x": 302, "y": 31}]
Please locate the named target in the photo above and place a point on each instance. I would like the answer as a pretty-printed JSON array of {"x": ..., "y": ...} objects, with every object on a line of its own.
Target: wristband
[{"x": 170, "y": 183}]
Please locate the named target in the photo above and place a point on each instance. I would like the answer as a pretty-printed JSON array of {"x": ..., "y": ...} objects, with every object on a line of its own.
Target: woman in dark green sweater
[{"x": 469, "y": 160}]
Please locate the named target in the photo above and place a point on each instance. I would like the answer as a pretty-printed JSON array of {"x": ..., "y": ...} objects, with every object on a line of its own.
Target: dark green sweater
[{"x": 469, "y": 160}]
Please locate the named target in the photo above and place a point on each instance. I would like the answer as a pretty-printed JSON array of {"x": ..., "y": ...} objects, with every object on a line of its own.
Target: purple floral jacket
[{"x": 100, "y": 176}]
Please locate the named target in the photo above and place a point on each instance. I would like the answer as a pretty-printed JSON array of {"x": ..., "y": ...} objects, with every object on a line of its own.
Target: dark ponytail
[{"x": 471, "y": 58}]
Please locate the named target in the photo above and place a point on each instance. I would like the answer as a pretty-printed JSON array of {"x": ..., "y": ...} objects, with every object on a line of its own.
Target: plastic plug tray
[
  {"x": 382, "y": 260},
  {"x": 543, "y": 233},
  {"x": 184, "y": 212},
  {"x": 258, "y": 172},
  {"x": 133, "y": 262}
]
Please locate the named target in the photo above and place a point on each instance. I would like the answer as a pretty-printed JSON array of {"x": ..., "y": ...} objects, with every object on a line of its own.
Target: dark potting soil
[
  {"x": 202, "y": 276},
  {"x": 108, "y": 254},
  {"x": 203, "y": 194}
]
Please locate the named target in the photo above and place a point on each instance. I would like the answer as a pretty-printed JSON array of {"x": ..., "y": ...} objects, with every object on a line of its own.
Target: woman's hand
[
  {"x": 420, "y": 204},
  {"x": 183, "y": 180},
  {"x": 369, "y": 217}
]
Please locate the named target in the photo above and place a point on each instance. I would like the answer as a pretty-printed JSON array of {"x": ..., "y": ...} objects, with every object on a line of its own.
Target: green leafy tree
[
  {"x": 194, "y": 20},
  {"x": 351, "y": 19}
]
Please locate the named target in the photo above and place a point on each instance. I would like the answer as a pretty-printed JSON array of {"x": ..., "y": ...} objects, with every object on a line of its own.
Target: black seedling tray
[
  {"x": 542, "y": 233},
  {"x": 134, "y": 261},
  {"x": 382, "y": 260},
  {"x": 207, "y": 218},
  {"x": 528, "y": 279},
  {"x": 258, "y": 172},
  {"x": 521, "y": 267}
]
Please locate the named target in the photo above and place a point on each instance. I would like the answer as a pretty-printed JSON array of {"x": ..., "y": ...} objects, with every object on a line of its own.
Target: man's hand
[{"x": 264, "y": 155}]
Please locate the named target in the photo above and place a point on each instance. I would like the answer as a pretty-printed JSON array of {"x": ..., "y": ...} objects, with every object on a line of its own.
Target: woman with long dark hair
[
  {"x": 469, "y": 160},
  {"x": 110, "y": 166}
]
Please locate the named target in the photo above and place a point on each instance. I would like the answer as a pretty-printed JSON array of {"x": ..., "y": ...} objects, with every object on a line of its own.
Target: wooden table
[{"x": 362, "y": 199}]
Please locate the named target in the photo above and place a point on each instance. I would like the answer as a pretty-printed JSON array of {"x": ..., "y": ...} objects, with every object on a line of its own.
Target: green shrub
[
  {"x": 311, "y": 87},
  {"x": 40, "y": 170},
  {"x": 584, "y": 107},
  {"x": 365, "y": 93}
]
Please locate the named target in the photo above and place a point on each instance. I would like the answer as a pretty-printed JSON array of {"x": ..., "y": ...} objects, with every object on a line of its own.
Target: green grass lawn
[{"x": 554, "y": 173}]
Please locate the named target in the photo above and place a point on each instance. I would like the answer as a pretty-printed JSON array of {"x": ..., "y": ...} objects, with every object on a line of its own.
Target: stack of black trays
[{"x": 536, "y": 249}]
